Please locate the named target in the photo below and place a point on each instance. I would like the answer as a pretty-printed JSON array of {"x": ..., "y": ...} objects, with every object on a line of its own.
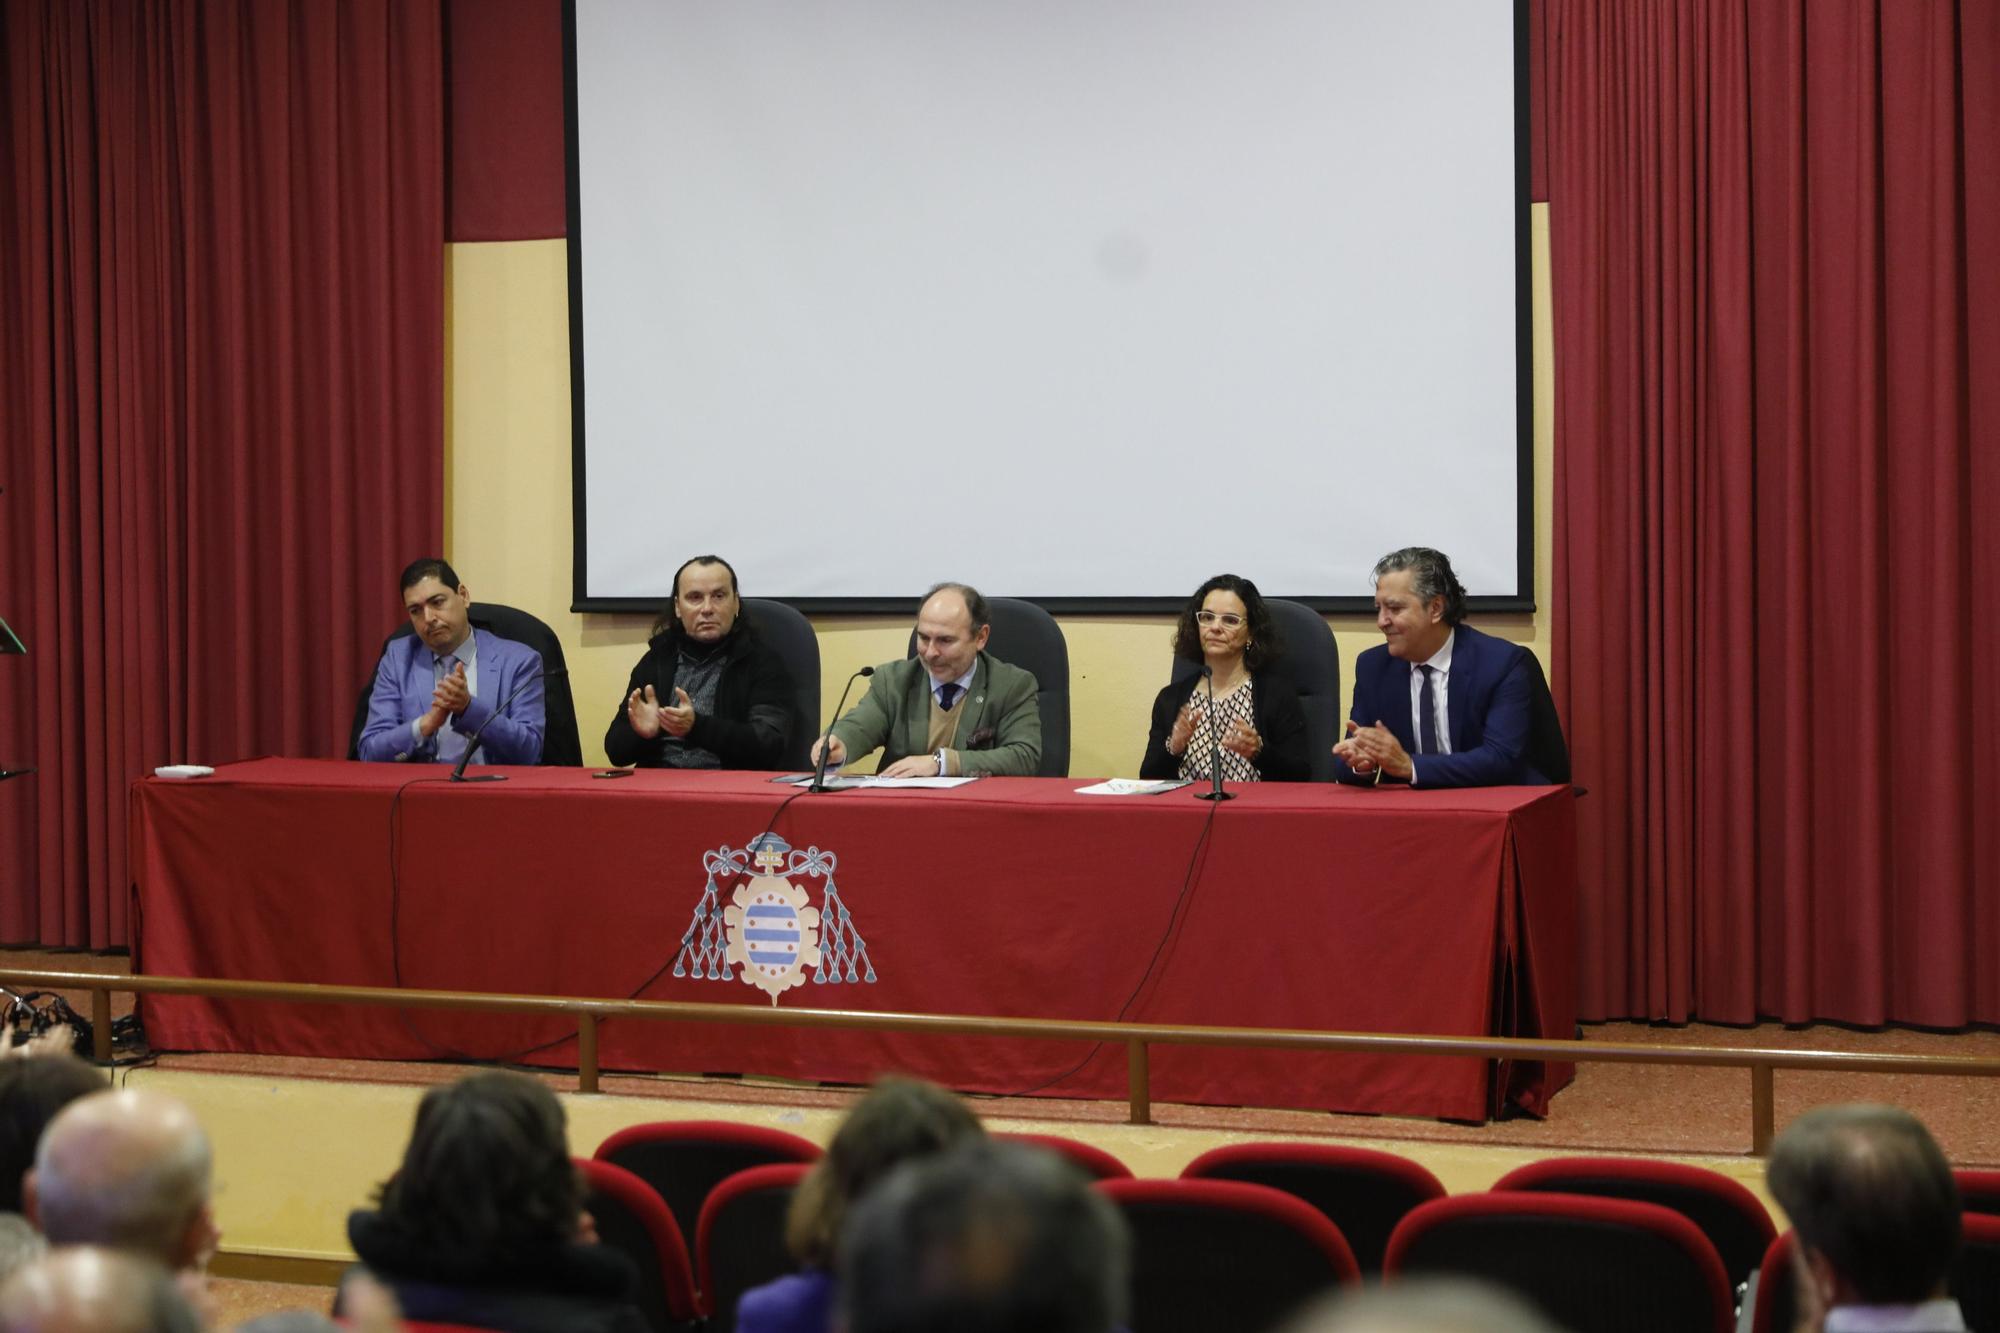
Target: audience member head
[
  {"x": 32, "y": 1090},
  {"x": 987, "y": 1238},
  {"x": 953, "y": 625},
  {"x": 84, "y": 1289},
  {"x": 1256, "y": 638},
  {"x": 898, "y": 1120},
  {"x": 20, "y": 1243},
  {"x": 487, "y": 1169},
  {"x": 1423, "y": 1305},
  {"x": 706, "y": 601},
  {"x": 1873, "y": 1202},
  {"x": 130, "y": 1170}
]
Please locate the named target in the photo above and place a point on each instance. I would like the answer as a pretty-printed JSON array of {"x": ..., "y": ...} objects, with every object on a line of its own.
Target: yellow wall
[{"x": 508, "y": 529}]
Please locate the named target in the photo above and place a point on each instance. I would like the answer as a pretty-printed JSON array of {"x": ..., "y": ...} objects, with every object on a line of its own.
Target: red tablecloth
[{"x": 1306, "y": 906}]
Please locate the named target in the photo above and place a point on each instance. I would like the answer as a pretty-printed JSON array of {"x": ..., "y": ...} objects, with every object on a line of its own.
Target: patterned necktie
[
  {"x": 1427, "y": 738},
  {"x": 947, "y": 695},
  {"x": 450, "y": 743}
]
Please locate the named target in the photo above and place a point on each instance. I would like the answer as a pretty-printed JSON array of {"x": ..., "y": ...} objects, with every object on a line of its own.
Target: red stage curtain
[
  {"x": 223, "y": 275},
  {"x": 1776, "y": 264},
  {"x": 507, "y": 168}
]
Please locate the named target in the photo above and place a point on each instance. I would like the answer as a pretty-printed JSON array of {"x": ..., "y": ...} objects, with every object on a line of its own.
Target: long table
[{"x": 1293, "y": 906}]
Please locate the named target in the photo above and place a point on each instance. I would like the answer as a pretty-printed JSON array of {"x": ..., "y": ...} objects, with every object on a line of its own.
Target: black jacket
[
  {"x": 546, "y": 1289},
  {"x": 750, "y": 725},
  {"x": 1279, "y": 720}
]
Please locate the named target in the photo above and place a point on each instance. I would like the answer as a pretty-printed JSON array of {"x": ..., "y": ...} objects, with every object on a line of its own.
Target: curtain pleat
[
  {"x": 224, "y": 386},
  {"x": 1773, "y": 228}
]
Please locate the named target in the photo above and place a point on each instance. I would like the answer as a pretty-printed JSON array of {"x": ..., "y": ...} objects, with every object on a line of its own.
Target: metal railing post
[
  {"x": 1138, "y": 1079},
  {"x": 100, "y": 1025},
  {"x": 586, "y": 1052},
  {"x": 1762, "y": 1113}
]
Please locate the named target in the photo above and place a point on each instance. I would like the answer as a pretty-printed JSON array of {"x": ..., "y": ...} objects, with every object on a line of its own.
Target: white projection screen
[{"x": 1076, "y": 300}]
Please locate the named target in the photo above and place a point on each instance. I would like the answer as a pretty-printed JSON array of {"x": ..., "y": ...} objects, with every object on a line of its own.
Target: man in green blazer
[{"x": 950, "y": 710}]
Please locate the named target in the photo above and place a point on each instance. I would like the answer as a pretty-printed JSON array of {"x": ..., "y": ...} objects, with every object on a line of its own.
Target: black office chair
[
  {"x": 1311, "y": 663},
  {"x": 560, "y": 746},
  {"x": 786, "y": 632},
  {"x": 1548, "y": 752},
  {"x": 1028, "y": 637}
]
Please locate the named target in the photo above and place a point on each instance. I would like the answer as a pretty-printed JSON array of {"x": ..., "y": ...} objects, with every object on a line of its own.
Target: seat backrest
[
  {"x": 1732, "y": 1218},
  {"x": 1975, "y": 1275},
  {"x": 1363, "y": 1192},
  {"x": 1548, "y": 752},
  {"x": 1026, "y": 636},
  {"x": 1776, "y": 1307},
  {"x": 632, "y": 1220},
  {"x": 786, "y": 632},
  {"x": 1310, "y": 662},
  {"x": 1218, "y": 1254},
  {"x": 1978, "y": 1191},
  {"x": 561, "y": 747},
  {"x": 740, "y": 1240},
  {"x": 1592, "y": 1265},
  {"x": 684, "y": 1159},
  {"x": 1088, "y": 1158}
]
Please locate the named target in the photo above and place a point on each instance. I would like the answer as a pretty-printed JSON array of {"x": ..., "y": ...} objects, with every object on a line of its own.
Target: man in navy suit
[{"x": 1439, "y": 704}]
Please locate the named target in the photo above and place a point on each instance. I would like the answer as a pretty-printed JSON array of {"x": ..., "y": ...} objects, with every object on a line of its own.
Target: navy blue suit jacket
[{"x": 1490, "y": 702}]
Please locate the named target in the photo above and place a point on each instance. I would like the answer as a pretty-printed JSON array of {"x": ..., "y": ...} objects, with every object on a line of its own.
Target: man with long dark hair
[{"x": 708, "y": 693}]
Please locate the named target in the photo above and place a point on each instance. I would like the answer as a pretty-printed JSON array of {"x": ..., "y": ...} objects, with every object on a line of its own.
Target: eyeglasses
[{"x": 1228, "y": 619}]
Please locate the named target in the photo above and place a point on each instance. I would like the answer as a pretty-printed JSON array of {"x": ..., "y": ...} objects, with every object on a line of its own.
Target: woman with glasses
[{"x": 1255, "y": 723}]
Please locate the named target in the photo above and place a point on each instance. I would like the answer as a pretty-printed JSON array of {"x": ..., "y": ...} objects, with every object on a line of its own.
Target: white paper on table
[
  {"x": 849, "y": 781},
  {"x": 1131, "y": 787}
]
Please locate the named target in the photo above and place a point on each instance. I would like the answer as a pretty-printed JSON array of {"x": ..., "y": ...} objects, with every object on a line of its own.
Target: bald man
[
  {"x": 951, "y": 710},
  {"x": 1423, "y": 1305},
  {"x": 130, "y": 1170},
  {"x": 84, "y": 1289}
]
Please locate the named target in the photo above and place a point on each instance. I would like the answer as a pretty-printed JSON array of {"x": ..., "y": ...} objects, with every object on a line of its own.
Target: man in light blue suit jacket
[
  {"x": 435, "y": 690},
  {"x": 1439, "y": 704}
]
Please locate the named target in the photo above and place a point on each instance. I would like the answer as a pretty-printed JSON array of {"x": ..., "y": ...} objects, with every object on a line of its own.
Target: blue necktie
[
  {"x": 947, "y": 695},
  {"x": 1427, "y": 738}
]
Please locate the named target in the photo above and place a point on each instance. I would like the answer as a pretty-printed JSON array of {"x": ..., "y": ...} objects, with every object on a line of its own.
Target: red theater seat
[
  {"x": 1363, "y": 1192},
  {"x": 1219, "y": 1254},
  {"x": 1592, "y": 1265}
]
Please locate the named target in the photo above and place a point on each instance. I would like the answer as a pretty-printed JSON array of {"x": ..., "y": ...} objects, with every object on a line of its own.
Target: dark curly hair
[
  {"x": 488, "y": 1168},
  {"x": 1266, "y": 644}
]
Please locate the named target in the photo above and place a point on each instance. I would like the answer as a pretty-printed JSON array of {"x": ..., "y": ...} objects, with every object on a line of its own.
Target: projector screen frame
[{"x": 1521, "y": 601}]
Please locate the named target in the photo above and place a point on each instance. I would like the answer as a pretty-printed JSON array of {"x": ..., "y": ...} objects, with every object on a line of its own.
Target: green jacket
[{"x": 999, "y": 729}]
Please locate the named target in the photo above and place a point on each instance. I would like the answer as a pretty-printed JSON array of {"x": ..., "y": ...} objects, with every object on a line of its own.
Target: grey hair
[
  {"x": 975, "y": 604},
  {"x": 19, "y": 1243},
  {"x": 145, "y": 1211},
  {"x": 1430, "y": 576},
  {"x": 1424, "y": 1305}
]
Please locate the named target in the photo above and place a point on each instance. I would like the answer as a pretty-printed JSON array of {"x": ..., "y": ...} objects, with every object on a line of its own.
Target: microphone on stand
[
  {"x": 458, "y": 773},
  {"x": 1215, "y": 791},
  {"x": 826, "y": 741}
]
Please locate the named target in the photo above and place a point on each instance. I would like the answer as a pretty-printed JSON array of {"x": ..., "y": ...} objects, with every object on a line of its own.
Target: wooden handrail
[{"x": 1137, "y": 1038}]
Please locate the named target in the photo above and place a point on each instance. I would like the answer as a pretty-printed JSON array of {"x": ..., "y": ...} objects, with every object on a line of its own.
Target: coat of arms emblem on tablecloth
[{"x": 770, "y": 935}]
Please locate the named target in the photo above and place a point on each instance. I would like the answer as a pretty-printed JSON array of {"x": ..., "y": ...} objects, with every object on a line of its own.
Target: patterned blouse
[{"x": 1235, "y": 706}]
